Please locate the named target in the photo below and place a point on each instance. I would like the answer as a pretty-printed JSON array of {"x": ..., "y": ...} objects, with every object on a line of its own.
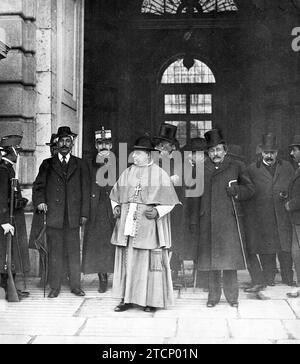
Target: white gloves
[{"x": 8, "y": 229}]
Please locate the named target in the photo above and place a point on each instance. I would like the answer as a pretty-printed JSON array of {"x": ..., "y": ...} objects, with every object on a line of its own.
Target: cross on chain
[{"x": 137, "y": 191}]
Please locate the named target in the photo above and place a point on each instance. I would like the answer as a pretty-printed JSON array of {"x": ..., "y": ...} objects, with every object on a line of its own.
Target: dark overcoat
[
  {"x": 268, "y": 228},
  {"x": 51, "y": 188},
  {"x": 294, "y": 198},
  {"x": 6, "y": 174},
  {"x": 98, "y": 252},
  {"x": 219, "y": 242}
]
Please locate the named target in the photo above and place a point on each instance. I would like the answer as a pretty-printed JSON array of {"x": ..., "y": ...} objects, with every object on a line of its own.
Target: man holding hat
[
  {"x": 98, "y": 252},
  {"x": 142, "y": 200},
  {"x": 268, "y": 228},
  {"x": 220, "y": 245},
  {"x": 10, "y": 149},
  {"x": 61, "y": 190},
  {"x": 292, "y": 206}
]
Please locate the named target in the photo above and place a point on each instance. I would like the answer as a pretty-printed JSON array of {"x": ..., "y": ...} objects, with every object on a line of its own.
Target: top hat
[
  {"x": 167, "y": 132},
  {"x": 144, "y": 143},
  {"x": 198, "y": 144},
  {"x": 10, "y": 141},
  {"x": 103, "y": 135},
  {"x": 296, "y": 141},
  {"x": 53, "y": 140},
  {"x": 65, "y": 131},
  {"x": 213, "y": 138},
  {"x": 269, "y": 143}
]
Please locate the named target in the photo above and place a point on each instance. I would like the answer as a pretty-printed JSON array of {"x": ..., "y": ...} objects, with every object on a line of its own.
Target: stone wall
[{"x": 18, "y": 79}]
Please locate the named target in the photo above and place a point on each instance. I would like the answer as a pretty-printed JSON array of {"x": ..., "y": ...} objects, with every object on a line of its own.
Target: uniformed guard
[
  {"x": 10, "y": 149},
  {"x": 98, "y": 253}
]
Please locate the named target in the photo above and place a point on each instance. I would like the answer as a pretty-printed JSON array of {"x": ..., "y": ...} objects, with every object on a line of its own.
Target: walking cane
[
  {"x": 238, "y": 224},
  {"x": 25, "y": 292}
]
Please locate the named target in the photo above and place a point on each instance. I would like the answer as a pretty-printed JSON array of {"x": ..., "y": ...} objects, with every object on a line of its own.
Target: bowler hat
[
  {"x": 296, "y": 141},
  {"x": 213, "y": 138},
  {"x": 52, "y": 140},
  {"x": 144, "y": 143},
  {"x": 65, "y": 131},
  {"x": 103, "y": 135},
  {"x": 10, "y": 141},
  {"x": 235, "y": 151},
  {"x": 167, "y": 132},
  {"x": 269, "y": 143}
]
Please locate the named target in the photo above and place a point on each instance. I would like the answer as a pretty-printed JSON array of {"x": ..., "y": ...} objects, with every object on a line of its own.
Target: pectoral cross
[{"x": 137, "y": 191}]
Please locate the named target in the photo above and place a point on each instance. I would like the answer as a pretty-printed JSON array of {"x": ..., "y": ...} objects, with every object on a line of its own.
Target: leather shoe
[
  {"x": 271, "y": 284},
  {"x": 78, "y": 292},
  {"x": 293, "y": 294},
  {"x": 53, "y": 293},
  {"x": 256, "y": 288},
  {"x": 23, "y": 294},
  {"x": 211, "y": 304},
  {"x": 103, "y": 282},
  {"x": 122, "y": 307},
  {"x": 234, "y": 304},
  {"x": 149, "y": 309}
]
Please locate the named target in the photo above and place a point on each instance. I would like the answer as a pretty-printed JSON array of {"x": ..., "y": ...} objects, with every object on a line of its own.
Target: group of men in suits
[{"x": 245, "y": 216}]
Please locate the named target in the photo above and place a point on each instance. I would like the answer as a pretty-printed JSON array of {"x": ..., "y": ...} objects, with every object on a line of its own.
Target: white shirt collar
[{"x": 61, "y": 157}]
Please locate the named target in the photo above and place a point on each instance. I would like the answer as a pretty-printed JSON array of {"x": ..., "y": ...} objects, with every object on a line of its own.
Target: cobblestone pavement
[{"x": 271, "y": 319}]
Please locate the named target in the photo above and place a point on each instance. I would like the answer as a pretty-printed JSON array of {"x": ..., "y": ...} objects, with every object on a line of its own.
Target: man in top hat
[
  {"x": 61, "y": 190},
  {"x": 268, "y": 229},
  {"x": 220, "y": 247},
  {"x": 171, "y": 162},
  {"x": 292, "y": 206},
  {"x": 142, "y": 200},
  {"x": 10, "y": 149},
  {"x": 98, "y": 252}
]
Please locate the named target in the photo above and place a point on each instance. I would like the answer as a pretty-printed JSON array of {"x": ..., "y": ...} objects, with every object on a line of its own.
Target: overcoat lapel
[
  {"x": 72, "y": 167},
  {"x": 57, "y": 166},
  {"x": 277, "y": 172}
]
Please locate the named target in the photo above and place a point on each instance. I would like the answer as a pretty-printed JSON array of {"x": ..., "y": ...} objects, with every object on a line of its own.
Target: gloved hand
[
  {"x": 232, "y": 191},
  {"x": 151, "y": 213},
  {"x": 8, "y": 228},
  {"x": 117, "y": 212},
  {"x": 42, "y": 207}
]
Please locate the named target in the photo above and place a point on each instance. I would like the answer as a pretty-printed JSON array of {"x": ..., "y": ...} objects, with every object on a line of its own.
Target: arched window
[
  {"x": 187, "y": 97},
  {"x": 162, "y": 7}
]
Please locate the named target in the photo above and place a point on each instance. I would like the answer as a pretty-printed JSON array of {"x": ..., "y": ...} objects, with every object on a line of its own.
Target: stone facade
[{"x": 34, "y": 76}]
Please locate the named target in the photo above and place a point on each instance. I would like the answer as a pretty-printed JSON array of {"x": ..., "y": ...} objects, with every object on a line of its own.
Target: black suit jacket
[
  {"x": 294, "y": 198},
  {"x": 59, "y": 194}
]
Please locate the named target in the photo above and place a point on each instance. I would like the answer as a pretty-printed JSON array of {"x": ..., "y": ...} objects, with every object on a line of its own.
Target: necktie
[{"x": 64, "y": 162}]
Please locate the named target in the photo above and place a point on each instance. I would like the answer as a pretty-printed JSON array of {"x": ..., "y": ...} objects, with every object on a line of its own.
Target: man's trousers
[
  {"x": 263, "y": 270},
  {"x": 230, "y": 286},
  {"x": 64, "y": 242}
]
